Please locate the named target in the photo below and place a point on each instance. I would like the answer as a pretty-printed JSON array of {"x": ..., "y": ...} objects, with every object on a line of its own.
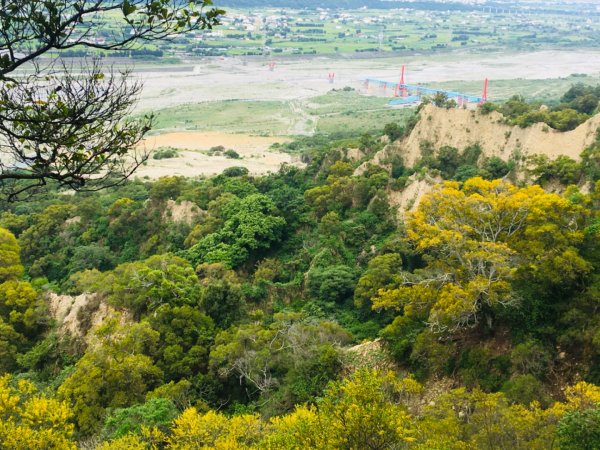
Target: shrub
[
  {"x": 463, "y": 173},
  {"x": 470, "y": 155},
  {"x": 531, "y": 358},
  {"x": 524, "y": 389},
  {"x": 563, "y": 169},
  {"x": 155, "y": 412},
  {"x": 231, "y": 154},
  {"x": 332, "y": 283},
  {"x": 398, "y": 168},
  {"x": 496, "y": 168},
  {"x": 448, "y": 161},
  {"x": 393, "y": 131},
  {"x": 165, "y": 153},
  {"x": 478, "y": 367},
  {"x": 487, "y": 108},
  {"x": 580, "y": 430},
  {"x": 235, "y": 171}
]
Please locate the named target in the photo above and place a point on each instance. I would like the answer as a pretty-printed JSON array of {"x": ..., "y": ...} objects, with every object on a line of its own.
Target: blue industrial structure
[
  {"x": 410, "y": 93},
  {"x": 418, "y": 91}
]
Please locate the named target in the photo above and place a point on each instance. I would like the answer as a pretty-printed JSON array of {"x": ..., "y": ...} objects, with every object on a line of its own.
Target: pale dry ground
[
  {"x": 228, "y": 79},
  {"x": 191, "y": 162},
  {"x": 408, "y": 199},
  {"x": 182, "y": 212}
]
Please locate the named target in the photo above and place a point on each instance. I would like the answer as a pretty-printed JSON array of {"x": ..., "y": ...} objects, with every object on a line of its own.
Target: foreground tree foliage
[
  {"x": 10, "y": 260},
  {"x": 70, "y": 125},
  {"x": 378, "y": 410},
  {"x": 22, "y": 311},
  {"x": 115, "y": 373},
  {"x": 30, "y": 420}
]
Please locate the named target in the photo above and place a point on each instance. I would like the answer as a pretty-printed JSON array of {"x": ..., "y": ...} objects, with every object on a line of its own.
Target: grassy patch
[
  {"x": 335, "y": 112},
  {"x": 253, "y": 117},
  {"x": 339, "y": 111}
]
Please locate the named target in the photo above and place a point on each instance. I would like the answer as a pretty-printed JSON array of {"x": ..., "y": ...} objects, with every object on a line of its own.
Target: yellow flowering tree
[
  {"x": 10, "y": 261},
  {"x": 213, "y": 430},
  {"x": 367, "y": 410},
  {"x": 476, "y": 239},
  {"x": 22, "y": 311},
  {"x": 30, "y": 421}
]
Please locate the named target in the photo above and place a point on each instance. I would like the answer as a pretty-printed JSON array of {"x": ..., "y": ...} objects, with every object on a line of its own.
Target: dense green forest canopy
[{"x": 299, "y": 310}]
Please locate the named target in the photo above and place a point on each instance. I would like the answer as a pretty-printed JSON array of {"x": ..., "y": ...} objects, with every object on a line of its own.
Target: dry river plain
[{"x": 296, "y": 80}]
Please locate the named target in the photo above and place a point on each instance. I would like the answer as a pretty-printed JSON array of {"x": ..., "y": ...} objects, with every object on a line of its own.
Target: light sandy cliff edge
[{"x": 460, "y": 128}]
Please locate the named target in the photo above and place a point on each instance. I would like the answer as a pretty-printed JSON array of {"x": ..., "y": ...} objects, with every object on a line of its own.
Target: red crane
[
  {"x": 485, "y": 89},
  {"x": 400, "y": 87}
]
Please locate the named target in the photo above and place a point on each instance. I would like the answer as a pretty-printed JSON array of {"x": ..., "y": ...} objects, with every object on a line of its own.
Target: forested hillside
[{"x": 296, "y": 310}]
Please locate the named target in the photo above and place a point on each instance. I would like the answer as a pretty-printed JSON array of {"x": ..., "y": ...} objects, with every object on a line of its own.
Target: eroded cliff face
[
  {"x": 460, "y": 128},
  {"x": 77, "y": 316},
  {"x": 408, "y": 199}
]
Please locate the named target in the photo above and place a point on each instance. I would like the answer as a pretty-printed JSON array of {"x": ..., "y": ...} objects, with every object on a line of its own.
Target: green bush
[
  {"x": 470, "y": 155},
  {"x": 165, "y": 153},
  {"x": 393, "y": 131},
  {"x": 487, "y": 108},
  {"x": 235, "y": 171},
  {"x": 463, "y": 173},
  {"x": 398, "y": 168},
  {"x": 478, "y": 367},
  {"x": 580, "y": 430},
  {"x": 335, "y": 283},
  {"x": 563, "y": 169},
  {"x": 496, "y": 168},
  {"x": 525, "y": 389},
  {"x": 531, "y": 358},
  {"x": 157, "y": 412},
  {"x": 400, "y": 337},
  {"x": 231, "y": 154}
]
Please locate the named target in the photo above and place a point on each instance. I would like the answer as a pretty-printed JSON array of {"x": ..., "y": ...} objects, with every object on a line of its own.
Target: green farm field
[{"x": 546, "y": 90}]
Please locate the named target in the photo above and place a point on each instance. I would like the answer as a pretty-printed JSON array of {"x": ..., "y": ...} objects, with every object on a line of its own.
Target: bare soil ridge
[{"x": 460, "y": 128}]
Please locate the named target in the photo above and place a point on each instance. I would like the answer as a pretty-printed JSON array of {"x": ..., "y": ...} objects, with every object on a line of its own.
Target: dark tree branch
[
  {"x": 35, "y": 27},
  {"x": 73, "y": 129},
  {"x": 68, "y": 126}
]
